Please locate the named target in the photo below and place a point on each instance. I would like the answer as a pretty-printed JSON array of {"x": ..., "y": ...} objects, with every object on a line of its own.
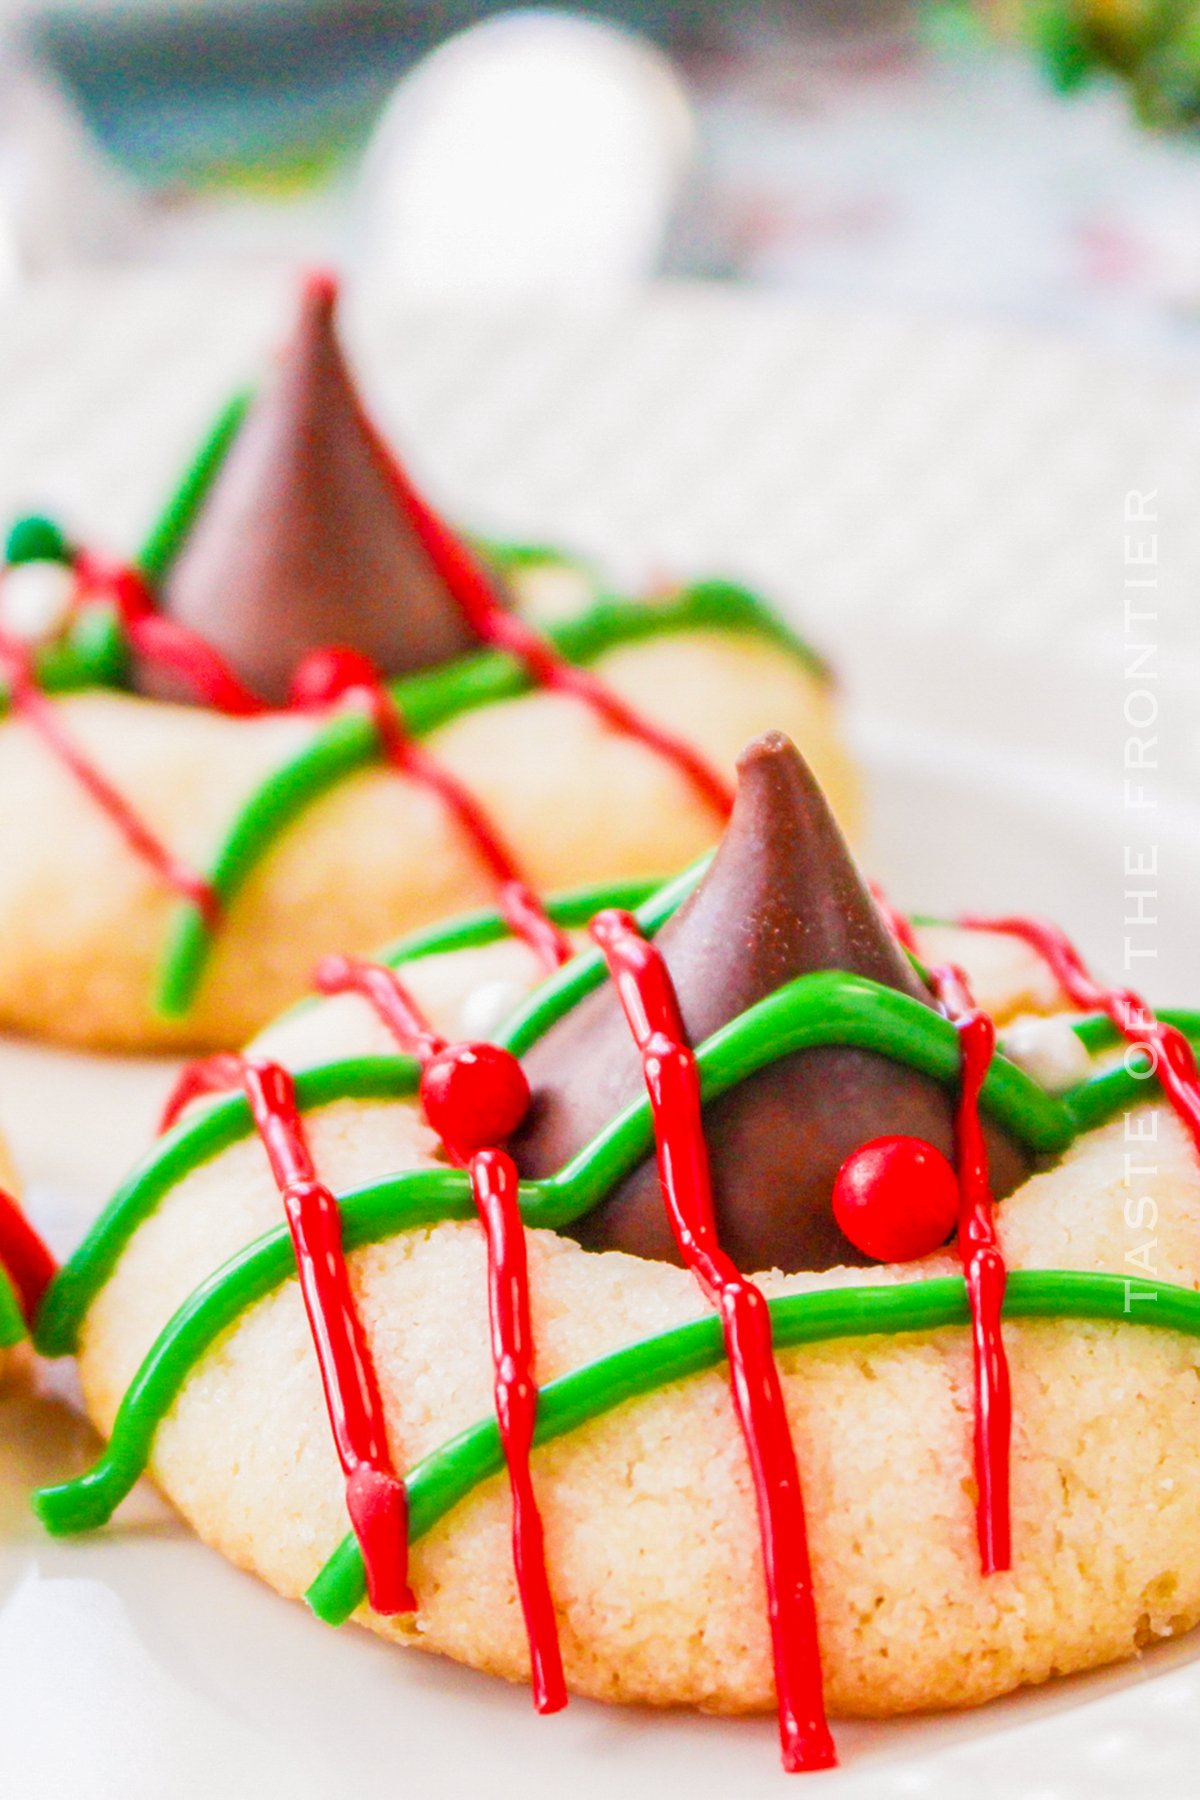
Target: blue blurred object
[{"x": 267, "y": 91}]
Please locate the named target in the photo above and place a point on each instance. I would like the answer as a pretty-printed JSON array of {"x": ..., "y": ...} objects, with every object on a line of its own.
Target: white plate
[{"x": 944, "y": 508}]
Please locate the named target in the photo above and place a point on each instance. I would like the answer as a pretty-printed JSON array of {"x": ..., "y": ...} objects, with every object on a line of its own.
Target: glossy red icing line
[
  {"x": 474, "y": 1093},
  {"x": 24, "y": 1258},
  {"x": 171, "y": 646},
  {"x": 494, "y": 1183},
  {"x": 383, "y": 990},
  {"x": 332, "y": 675},
  {"x": 984, "y": 1273},
  {"x": 672, "y": 1082},
  {"x": 211, "y": 1075},
  {"x": 164, "y": 642},
  {"x": 375, "y": 1496},
  {"x": 40, "y": 715},
  {"x": 1171, "y": 1056},
  {"x": 466, "y": 579},
  {"x": 979, "y": 1253},
  {"x": 897, "y": 924}
]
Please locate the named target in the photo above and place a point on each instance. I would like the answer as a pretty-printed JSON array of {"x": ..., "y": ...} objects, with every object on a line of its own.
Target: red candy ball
[
  {"x": 325, "y": 675},
  {"x": 896, "y": 1198},
  {"x": 475, "y": 1096}
]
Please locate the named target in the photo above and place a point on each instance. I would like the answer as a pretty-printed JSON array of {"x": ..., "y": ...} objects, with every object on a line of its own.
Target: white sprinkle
[
  {"x": 1047, "y": 1049},
  {"x": 486, "y": 1008},
  {"x": 551, "y": 592}
]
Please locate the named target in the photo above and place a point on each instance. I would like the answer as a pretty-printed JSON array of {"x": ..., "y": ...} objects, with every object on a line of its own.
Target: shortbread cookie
[
  {"x": 859, "y": 1142},
  {"x": 311, "y": 718}
]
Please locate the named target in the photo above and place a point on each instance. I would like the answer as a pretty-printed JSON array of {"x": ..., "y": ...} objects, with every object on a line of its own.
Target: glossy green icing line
[
  {"x": 349, "y": 742},
  {"x": 513, "y": 556},
  {"x": 432, "y": 1196},
  {"x": 194, "y": 1141},
  {"x": 192, "y": 1144},
  {"x": 427, "y": 1197},
  {"x": 475, "y": 930},
  {"x": 471, "y": 931},
  {"x": 814, "y": 1010},
  {"x": 555, "y": 996},
  {"x": 449, "y": 1474},
  {"x": 176, "y": 519},
  {"x": 12, "y": 1321},
  {"x": 445, "y": 1477},
  {"x": 826, "y": 1008}
]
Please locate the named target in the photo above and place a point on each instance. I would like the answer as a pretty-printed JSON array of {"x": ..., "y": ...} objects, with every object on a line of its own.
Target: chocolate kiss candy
[
  {"x": 302, "y": 542},
  {"x": 781, "y": 899}
]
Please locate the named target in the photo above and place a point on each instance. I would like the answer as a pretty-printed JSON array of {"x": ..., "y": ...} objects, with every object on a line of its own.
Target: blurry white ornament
[
  {"x": 536, "y": 154},
  {"x": 35, "y": 599}
]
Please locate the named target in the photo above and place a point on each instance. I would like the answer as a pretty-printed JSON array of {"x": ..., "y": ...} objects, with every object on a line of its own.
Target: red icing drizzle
[
  {"x": 332, "y": 675},
  {"x": 495, "y": 1186},
  {"x": 383, "y": 989},
  {"x": 979, "y": 1252},
  {"x": 40, "y": 715},
  {"x": 472, "y": 1093},
  {"x": 984, "y": 1273},
  {"x": 163, "y": 641},
  {"x": 24, "y": 1258},
  {"x": 322, "y": 680},
  {"x": 1172, "y": 1057},
  {"x": 375, "y": 1496},
  {"x": 470, "y": 586},
  {"x": 672, "y": 1082},
  {"x": 896, "y": 922},
  {"x": 1174, "y": 1063}
]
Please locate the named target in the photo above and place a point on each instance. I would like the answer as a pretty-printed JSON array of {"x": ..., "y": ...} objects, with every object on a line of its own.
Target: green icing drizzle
[
  {"x": 444, "y": 1478},
  {"x": 427, "y": 1197},
  {"x": 825, "y": 1008},
  {"x": 511, "y": 556},
  {"x": 12, "y": 1320},
  {"x": 815, "y": 1009},
  {"x": 474, "y": 930},
  {"x": 576, "y": 979},
  {"x": 95, "y": 652},
  {"x": 471, "y": 931},
  {"x": 178, "y": 515},
  {"x": 225, "y": 1122},
  {"x": 194, "y": 1142},
  {"x": 348, "y": 742}
]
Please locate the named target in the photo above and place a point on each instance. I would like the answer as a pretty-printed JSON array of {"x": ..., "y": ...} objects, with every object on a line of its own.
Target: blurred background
[
  {"x": 931, "y": 309},
  {"x": 1030, "y": 162}
]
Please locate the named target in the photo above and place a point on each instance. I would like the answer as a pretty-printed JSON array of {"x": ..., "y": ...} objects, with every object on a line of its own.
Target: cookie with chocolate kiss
[
  {"x": 303, "y": 541},
  {"x": 782, "y": 898}
]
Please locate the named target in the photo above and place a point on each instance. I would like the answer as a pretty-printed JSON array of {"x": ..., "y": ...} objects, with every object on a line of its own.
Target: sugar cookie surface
[
  {"x": 83, "y": 924},
  {"x": 652, "y": 1540}
]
